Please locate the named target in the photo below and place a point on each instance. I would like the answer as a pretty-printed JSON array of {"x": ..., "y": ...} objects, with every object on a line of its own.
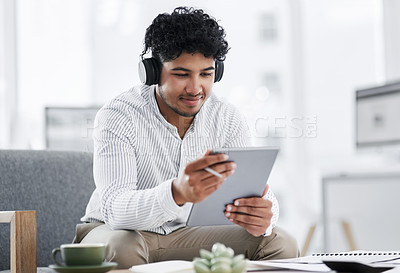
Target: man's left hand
[{"x": 253, "y": 213}]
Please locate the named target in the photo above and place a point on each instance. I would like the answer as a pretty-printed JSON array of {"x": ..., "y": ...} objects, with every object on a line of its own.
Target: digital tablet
[{"x": 250, "y": 178}]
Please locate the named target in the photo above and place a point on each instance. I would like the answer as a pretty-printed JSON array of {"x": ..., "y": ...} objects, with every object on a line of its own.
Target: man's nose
[{"x": 194, "y": 86}]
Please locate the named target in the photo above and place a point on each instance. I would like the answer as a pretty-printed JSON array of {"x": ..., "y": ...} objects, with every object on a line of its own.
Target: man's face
[{"x": 185, "y": 84}]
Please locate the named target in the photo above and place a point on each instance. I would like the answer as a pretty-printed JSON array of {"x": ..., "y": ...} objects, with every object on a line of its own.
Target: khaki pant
[{"x": 130, "y": 247}]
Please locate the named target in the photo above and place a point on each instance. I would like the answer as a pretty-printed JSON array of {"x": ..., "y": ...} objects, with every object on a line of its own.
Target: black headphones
[{"x": 150, "y": 71}]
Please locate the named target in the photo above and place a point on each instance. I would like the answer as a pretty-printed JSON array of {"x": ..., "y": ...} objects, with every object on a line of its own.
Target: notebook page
[{"x": 164, "y": 267}]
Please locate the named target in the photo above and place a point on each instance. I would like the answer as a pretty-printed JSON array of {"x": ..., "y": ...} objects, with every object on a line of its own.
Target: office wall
[
  {"x": 392, "y": 39},
  {"x": 342, "y": 50},
  {"x": 53, "y": 60}
]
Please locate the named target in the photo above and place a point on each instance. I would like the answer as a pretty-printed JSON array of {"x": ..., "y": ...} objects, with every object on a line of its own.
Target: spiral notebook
[
  {"x": 318, "y": 262},
  {"x": 362, "y": 256}
]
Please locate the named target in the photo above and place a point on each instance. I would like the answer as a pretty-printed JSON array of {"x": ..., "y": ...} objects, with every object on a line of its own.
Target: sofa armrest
[{"x": 22, "y": 240}]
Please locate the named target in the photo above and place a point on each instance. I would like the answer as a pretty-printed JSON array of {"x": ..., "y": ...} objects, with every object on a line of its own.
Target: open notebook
[
  {"x": 314, "y": 262},
  {"x": 319, "y": 262}
]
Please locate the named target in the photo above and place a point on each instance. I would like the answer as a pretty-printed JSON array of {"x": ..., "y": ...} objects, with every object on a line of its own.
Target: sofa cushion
[{"x": 57, "y": 184}]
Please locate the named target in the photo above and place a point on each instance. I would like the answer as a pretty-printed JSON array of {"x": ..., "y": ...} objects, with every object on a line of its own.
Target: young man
[{"x": 152, "y": 144}]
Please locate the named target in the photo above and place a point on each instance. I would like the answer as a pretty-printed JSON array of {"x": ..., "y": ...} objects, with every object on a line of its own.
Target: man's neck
[{"x": 183, "y": 125}]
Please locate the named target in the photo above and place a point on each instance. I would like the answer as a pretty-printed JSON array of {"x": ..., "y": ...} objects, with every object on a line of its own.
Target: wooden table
[{"x": 23, "y": 240}]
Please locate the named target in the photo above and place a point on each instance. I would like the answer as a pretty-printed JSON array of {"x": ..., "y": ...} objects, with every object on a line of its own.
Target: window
[{"x": 8, "y": 75}]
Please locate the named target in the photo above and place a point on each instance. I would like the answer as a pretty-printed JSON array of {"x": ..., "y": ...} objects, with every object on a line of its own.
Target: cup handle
[{"x": 54, "y": 252}]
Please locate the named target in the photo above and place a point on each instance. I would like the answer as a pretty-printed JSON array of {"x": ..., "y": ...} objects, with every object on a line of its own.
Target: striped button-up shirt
[{"x": 137, "y": 155}]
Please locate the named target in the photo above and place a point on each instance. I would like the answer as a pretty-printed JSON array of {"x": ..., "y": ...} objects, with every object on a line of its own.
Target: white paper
[
  {"x": 174, "y": 266},
  {"x": 315, "y": 267}
]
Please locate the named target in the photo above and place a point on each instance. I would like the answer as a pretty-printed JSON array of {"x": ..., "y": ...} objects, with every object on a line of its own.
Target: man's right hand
[{"x": 195, "y": 184}]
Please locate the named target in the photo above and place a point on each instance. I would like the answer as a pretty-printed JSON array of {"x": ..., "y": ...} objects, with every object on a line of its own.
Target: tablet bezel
[{"x": 252, "y": 162}]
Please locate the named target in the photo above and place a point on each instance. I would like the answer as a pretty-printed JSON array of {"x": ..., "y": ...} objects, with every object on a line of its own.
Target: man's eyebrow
[
  {"x": 209, "y": 68},
  {"x": 180, "y": 69},
  {"x": 188, "y": 70}
]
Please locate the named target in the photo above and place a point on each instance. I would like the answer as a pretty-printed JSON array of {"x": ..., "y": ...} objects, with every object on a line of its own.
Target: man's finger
[
  {"x": 206, "y": 161},
  {"x": 258, "y": 202},
  {"x": 212, "y": 188},
  {"x": 254, "y": 225},
  {"x": 213, "y": 180},
  {"x": 247, "y": 219},
  {"x": 256, "y": 211},
  {"x": 253, "y": 230},
  {"x": 225, "y": 169}
]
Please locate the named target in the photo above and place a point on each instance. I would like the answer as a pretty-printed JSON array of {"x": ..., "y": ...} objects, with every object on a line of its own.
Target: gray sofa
[{"x": 57, "y": 185}]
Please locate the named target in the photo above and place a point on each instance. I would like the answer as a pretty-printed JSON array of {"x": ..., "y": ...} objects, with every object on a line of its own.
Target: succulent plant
[{"x": 221, "y": 259}]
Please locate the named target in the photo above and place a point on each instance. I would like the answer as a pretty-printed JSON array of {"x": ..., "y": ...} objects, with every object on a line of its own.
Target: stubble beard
[{"x": 183, "y": 114}]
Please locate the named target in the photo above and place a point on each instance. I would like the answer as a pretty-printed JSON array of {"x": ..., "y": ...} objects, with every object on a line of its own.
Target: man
[{"x": 152, "y": 144}]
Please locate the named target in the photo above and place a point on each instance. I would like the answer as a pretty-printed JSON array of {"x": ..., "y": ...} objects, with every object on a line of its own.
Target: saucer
[{"x": 104, "y": 267}]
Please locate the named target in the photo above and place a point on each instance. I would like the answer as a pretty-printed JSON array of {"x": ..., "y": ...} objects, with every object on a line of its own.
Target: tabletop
[{"x": 269, "y": 271}]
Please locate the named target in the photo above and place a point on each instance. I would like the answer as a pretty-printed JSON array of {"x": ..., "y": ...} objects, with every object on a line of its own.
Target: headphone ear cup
[
  {"x": 149, "y": 71},
  {"x": 219, "y": 70}
]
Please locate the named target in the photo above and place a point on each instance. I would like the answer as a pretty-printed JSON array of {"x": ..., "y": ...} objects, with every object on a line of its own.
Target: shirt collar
[{"x": 150, "y": 97}]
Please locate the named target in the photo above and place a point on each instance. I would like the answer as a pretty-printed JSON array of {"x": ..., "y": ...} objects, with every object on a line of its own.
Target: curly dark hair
[{"x": 185, "y": 30}]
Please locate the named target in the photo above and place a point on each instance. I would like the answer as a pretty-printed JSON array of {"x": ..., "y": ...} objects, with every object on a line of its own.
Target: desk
[
  {"x": 394, "y": 270},
  {"x": 269, "y": 271}
]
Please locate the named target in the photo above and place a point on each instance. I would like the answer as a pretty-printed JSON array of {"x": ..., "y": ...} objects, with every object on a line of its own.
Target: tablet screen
[{"x": 254, "y": 166}]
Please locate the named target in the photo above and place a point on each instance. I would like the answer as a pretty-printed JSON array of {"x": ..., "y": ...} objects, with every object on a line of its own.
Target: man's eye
[
  {"x": 206, "y": 74},
  {"x": 181, "y": 75}
]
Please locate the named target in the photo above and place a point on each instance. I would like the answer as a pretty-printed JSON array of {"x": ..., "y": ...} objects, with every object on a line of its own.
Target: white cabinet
[{"x": 370, "y": 203}]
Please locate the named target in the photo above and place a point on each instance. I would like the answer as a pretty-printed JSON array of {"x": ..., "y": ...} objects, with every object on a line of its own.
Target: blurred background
[{"x": 294, "y": 69}]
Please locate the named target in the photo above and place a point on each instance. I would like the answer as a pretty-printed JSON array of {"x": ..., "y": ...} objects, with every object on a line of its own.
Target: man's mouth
[{"x": 191, "y": 101}]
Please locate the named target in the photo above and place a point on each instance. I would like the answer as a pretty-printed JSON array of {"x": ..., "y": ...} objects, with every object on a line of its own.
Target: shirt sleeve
[
  {"x": 123, "y": 205},
  {"x": 275, "y": 211},
  {"x": 238, "y": 130},
  {"x": 240, "y": 137}
]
